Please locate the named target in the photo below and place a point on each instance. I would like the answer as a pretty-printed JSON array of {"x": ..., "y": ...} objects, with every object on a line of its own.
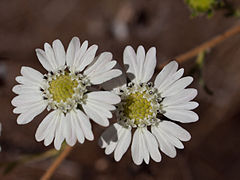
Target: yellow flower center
[
  {"x": 62, "y": 88},
  {"x": 137, "y": 107}
]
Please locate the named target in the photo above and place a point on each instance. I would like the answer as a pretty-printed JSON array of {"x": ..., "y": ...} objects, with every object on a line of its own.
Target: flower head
[
  {"x": 65, "y": 91},
  {"x": 148, "y": 109}
]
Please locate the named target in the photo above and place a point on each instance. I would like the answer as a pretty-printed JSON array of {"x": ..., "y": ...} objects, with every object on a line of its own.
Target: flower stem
[
  {"x": 206, "y": 45},
  {"x": 48, "y": 174}
]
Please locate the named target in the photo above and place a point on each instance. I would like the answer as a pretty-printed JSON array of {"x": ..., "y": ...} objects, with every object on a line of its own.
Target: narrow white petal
[
  {"x": 99, "y": 62},
  {"x": 87, "y": 58},
  {"x": 143, "y": 147},
  {"x": 187, "y": 106},
  {"x": 69, "y": 130},
  {"x": 152, "y": 145},
  {"x": 178, "y": 86},
  {"x": 50, "y": 131},
  {"x": 72, "y": 49},
  {"x": 149, "y": 64},
  {"x": 95, "y": 116},
  {"x": 59, "y": 132},
  {"x": 77, "y": 127},
  {"x": 104, "y": 96},
  {"x": 85, "y": 125},
  {"x": 117, "y": 82},
  {"x": 28, "y": 82},
  {"x": 26, "y": 107},
  {"x": 184, "y": 96},
  {"x": 24, "y": 89},
  {"x": 136, "y": 148},
  {"x": 166, "y": 73},
  {"x": 59, "y": 52},
  {"x": 110, "y": 134},
  {"x": 100, "y": 109},
  {"x": 114, "y": 141},
  {"x": 173, "y": 140},
  {"x": 28, "y": 116},
  {"x": 130, "y": 63},
  {"x": 175, "y": 130},
  {"x": 32, "y": 74},
  {"x": 43, "y": 127},
  {"x": 26, "y": 99},
  {"x": 50, "y": 56},
  {"x": 171, "y": 80},
  {"x": 164, "y": 145},
  {"x": 98, "y": 103},
  {"x": 183, "y": 116},
  {"x": 43, "y": 59},
  {"x": 79, "y": 55},
  {"x": 140, "y": 61},
  {"x": 123, "y": 144},
  {"x": 106, "y": 76}
]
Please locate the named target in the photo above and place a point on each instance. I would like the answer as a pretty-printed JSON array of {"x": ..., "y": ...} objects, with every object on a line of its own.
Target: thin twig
[
  {"x": 206, "y": 45},
  {"x": 48, "y": 174}
]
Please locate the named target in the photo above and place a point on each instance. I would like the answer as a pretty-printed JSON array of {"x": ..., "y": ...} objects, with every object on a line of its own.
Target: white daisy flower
[
  {"x": 149, "y": 109},
  {"x": 64, "y": 91}
]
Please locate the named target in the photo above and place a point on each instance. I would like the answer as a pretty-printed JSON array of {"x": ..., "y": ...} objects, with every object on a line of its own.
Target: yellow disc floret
[
  {"x": 137, "y": 107},
  {"x": 62, "y": 87}
]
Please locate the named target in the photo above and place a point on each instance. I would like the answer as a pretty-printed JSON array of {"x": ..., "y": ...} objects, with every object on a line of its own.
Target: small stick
[
  {"x": 48, "y": 174},
  {"x": 206, "y": 45}
]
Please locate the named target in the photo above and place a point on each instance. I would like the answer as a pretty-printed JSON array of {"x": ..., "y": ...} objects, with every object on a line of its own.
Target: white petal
[
  {"x": 123, "y": 144},
  {"x": 117, "y": 82},
  {"x": 28, "y": 116},
  {"x": 87, "y": 58},
  {"x": 28, "y": 82},
  {"x": 114, "y": 140},
  {"x": 175, "y": 130},
  {"x": 152, "y": 145},
  {"x": 50, "y": 56},
  {"x": 43, "y": 129},
  {"x": 26, "y": 99},
  {"x": 43, "y": 59},
  {"x": 143, "y": 146},
  {"x": 166, "y": 73},
  {"x": 98, "y": 103},
  {"x": 104, "y": 96},
  {"x": 178, "y": 86},
  {"x": 77, "y": 128},
  {"x": 110, "y": 134},
  {"x": 85, "y": 125},
  {"x": 59, "y": 132},
  {"x": 72, "y": 49},
  {"x": 130, "y": 63},
  {"x": 164, "y": 145},
  {"x": 136, "y": 148},
  {"x": 183, "y": 116},
  {"x": 106, "y": 76},
  {"x": 187, "y": 106},
  {"x": 24, "y": 89},
  {"x": 98, "y": 63},
  {"x": 173, "y": 140},
  {"x": 95, "y": 116},
  {"x": 32, "y": 74},
  {"x": 69, "y": 130},
  {"x": 140, "y": 61},
  {"x": 100, "y": 109},
  {"x": 79, "y": 54},
  {"x": 59, "y": 52},
  {"x": 26, "y": 107},
  {"x": 184, "y": 96},
  {"x": 149, "y": 64}
]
